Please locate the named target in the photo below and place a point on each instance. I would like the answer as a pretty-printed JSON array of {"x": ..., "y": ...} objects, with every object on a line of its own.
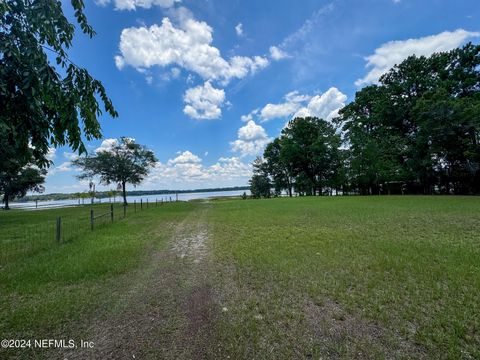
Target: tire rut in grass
[
  {"x": 199, "y": 306},
  {"x": 168, "y": 310}
]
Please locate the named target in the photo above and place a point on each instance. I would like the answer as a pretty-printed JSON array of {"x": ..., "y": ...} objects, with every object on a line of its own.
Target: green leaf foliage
[
  {"x": 16, "y": 176},
  {"x": 44, "y": 104},
  {"x": 124, "y": 162},
  {"x": 305, "y": 158},
  {"x": 416, "y": 131},
  {"x": 419, "y": 127},
  {"x": 260, "y": 185}
]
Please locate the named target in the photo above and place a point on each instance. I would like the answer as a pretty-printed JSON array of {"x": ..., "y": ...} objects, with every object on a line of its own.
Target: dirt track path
[{"x": 169, "y": 310}]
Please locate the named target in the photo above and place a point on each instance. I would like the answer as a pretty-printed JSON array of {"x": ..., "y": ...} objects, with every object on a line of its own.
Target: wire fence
[{"x": 22, "y": 239}]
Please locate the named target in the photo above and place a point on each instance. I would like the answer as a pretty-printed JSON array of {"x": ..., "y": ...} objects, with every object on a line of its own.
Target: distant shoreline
[{"x": 105, "y": 194}]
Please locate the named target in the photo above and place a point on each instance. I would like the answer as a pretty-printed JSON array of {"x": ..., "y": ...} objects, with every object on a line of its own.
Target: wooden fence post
[
  {"x": 111, "y": 212},
  {"x": 141, "y": 204},
  {"x": 91, "y": 219},
  {"x": 58, "y": 233}
]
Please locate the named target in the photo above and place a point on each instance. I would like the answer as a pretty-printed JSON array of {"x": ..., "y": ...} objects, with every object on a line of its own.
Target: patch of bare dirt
[
  {"x": 200, "y": 310},
  {"x": 192, "y": 246}
]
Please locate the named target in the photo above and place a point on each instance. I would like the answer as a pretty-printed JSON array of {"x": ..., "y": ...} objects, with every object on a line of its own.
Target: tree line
[{"x": 415, "y": 132}]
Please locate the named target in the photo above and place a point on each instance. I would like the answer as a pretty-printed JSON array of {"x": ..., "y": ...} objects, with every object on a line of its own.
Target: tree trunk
[
  {"x": 124, "y": 194},
  {"x": 290, "y": 190},
  {"x": 6, "y": 201}
]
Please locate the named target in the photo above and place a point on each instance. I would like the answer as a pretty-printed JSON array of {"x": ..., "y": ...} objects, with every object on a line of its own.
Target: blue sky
[{"x": 206, "y": 84}]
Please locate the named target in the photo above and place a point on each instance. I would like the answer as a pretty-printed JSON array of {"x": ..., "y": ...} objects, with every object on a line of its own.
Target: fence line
[{"x": 27, "y": 239}]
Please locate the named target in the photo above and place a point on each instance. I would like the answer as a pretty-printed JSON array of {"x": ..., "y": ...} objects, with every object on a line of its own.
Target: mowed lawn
[
  {"x": 355, "y": 277},
  {"x": 323, "y": 277}
]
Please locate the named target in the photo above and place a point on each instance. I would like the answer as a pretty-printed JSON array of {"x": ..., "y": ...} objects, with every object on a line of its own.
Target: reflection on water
[{"x": 151, "y": 198}]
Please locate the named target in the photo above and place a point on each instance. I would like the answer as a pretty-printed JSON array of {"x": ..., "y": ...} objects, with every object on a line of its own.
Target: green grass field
[{"x": 324, "y": 277}]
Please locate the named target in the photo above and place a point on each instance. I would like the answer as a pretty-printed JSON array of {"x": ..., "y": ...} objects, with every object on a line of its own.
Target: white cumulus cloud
[
  {"x": 394, "y": 52},
  {"x": 133, "y": 4},
  {"x": 252, "y": 139},
  {"x": 277, "y": 54},
  {"x": 239, "y": 29},
  {"x": 190, "y": 171},
  {"x": 325, "y": 106},
  {"x": 106, "y": 145},
  {"x": 230, "y": 168},
  {"x": 249, "y": 116},
  {"x": 70, "y": 155},
  {"x": 51, "y": 154},
  {"x": 274, "y": 111},
  {"x": 204, "y": 102},
  {"x": 185, "y": 157},
  {"x": 64, "y": 167},
  {"x": 187, "y": 46}
]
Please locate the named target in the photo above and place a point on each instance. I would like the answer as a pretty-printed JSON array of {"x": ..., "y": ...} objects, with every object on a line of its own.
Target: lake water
[{"x": 151, "y": 198}]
